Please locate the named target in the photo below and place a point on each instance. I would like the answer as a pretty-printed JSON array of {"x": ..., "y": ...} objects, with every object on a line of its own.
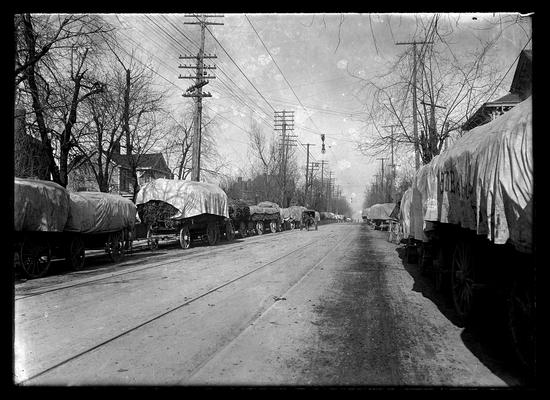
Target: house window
[{"x": 125, "y": 180}]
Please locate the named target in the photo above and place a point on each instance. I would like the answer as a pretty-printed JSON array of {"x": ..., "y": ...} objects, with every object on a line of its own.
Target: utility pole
[
  {"x": 284, "y": 121},
  {"x": 313, "y": 167},
  {"x": 392, "y": 165},
  {"x": 196, "y": 90},
  {"x": 415, "y": 121},
  {"x": 323, "y": 162},
  {"x": 307, "y": 169}
]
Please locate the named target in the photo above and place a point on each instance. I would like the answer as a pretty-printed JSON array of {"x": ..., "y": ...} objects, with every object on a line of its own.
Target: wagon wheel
[
  {"x": 229, "y": 231},
  {"x": 212, "y": 233},
  {"x": 115, "y": 246},
  {"x": 521, "y": 322},
  {"x": 152, "y": 242},
  {"x": 242, "y": 229},
  {"x": 273, "y": 226},
  {"x": 259, "y": 227},
  {"x": 75, "y": 254},
  {"x": 424, "y": 259},
  {"x": 279, "y": 226},
  {"x": 35, "y": 258},
  {"x": 462, "y": 280},
  {"x": 185, "y": 237},
  {"x": 441, "y": 266}
]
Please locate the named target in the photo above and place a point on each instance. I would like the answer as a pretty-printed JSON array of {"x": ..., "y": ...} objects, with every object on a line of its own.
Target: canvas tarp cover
[
  {"x": 189, "y": 197},
  {"x": 258, "y": 213},
  {"x": 39, "y": 206},
  {"x": 97, "y": 212},
  {"x": 405, "y": 212},
  {"x": 268, "y": 204},
  {"x": 484, "y": 182},
  {"x": 293, "y": 213},
  {"x": 380, "y": 211}
]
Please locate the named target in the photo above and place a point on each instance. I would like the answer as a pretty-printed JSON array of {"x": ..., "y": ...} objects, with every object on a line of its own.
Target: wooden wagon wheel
[
  {"x": 273, "y": 226},
  {"x": 259, "y": 227},
  {"x": 212, "y": 233},
  {"x": 75, "y": 253},
  {"x": 521, "y": 323},
  {"x": 185, "y": 237},
  {"x": 115, "y": 246},
  {"x": 35, "y": 258},
  {"x": 229, "y": 230},
  {"x": 242, "y": 229},
  {"x": 462, "y": 279},
  {"x": 152, "y": 242}
]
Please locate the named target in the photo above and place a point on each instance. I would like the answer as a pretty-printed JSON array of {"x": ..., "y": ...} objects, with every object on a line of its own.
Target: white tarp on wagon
[
  {"x": 293, "y": 213},
  {"x": 98, "y": 212},
  {"x": 484, "y": 182},
  {"x": 189, "y": 197},
  {"x": 39, "y": 206},
  {"x": 380, "y": 211},
  {"x": 405, "y": 212}
]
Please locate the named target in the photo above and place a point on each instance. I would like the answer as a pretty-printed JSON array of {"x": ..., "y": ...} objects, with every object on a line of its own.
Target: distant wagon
[
  {"x": 265, "y": 216},
  {"x": 50, "y": 221},
  {"x": 292, "y": 217},
  {"x": 309, "y": 219},
  {"x": 239, "y": 212},
  {"x": 188, "y": 210}
]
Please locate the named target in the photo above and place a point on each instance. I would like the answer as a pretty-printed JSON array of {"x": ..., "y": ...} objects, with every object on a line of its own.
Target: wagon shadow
[{"x": 485, "y": 336}]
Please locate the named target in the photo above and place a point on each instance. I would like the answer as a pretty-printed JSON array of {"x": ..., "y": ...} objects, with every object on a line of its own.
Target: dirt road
[{"x": 336, "y": 306}]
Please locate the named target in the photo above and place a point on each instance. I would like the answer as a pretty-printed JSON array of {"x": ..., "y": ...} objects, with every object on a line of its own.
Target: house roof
[
  {"x": 144, "y": 161},
  {"x": 483, "y": 113},
  {"x": 519, "y": 90}
]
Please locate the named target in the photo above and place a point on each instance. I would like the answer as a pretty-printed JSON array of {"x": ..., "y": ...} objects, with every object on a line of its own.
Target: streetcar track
[
  {"x": 262, "y": 313},
  {"x": 160, "y": 263},
  {"x": 148, "y": 321}
]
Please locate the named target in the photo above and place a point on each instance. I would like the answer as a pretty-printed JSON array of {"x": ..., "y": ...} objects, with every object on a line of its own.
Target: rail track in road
[
  {"x": 178, "y": 258},
  {"x": 176, "y": 307}
]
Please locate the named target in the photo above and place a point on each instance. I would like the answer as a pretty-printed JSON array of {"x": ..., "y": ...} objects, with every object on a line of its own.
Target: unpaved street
[{"x": 337, "y": 306}]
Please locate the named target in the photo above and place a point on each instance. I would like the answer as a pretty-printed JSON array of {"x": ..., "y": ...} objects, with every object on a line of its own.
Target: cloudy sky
[{"x": 304, "y": 65}]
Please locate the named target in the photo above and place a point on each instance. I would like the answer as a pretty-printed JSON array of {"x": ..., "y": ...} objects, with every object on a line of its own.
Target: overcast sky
[{"x": 314, "y": 53}]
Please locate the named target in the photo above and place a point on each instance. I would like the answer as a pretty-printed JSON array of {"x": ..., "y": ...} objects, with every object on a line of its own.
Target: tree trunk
[{"x": 36, "y": 103}]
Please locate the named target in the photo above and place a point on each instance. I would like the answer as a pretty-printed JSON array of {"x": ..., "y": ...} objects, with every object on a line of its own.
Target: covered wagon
[
  {"x": 380, "y": 215},
  {"x": 188, "y": 210},
  {"x": 50, "y": 221},
  {"x": 239, "y": 212},
  {"x": 265, "y": 216},
  {"x": 292, "y": 217},
  {"x": 96, "y": 220},
  {"x": 471, "y": 211}
]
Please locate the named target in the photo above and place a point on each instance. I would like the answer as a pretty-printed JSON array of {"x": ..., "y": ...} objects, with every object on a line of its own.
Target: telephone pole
[
  {"x": 313, "y": 167},
  {"x": 392, "y": 165},
  {"x": 195, "y": 91},
  {"x": 382, "y": 184},
  {"x": 307, "y": 169},
  {"x": 415, "y": 121},
  {"x": 323, "y": 162},
  {"x": 284, "y": 122}
]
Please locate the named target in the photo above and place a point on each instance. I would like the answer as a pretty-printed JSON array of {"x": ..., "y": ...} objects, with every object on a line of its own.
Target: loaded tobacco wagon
[
  {"x": 186, "y": 210},
  {"x": 470, "y": 215},
  {"x": 239, "y": 212},
  {"x": 379, "y": 215},
  {"x": 265, "y": 216},
  {"x": 292, "y": 217},
  {"x": 50, "y": 221}
]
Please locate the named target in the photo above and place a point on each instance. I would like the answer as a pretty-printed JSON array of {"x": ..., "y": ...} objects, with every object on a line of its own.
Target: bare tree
[
  {"x": 450, "y": 89},
  {"x": 53, "y": 54}
]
